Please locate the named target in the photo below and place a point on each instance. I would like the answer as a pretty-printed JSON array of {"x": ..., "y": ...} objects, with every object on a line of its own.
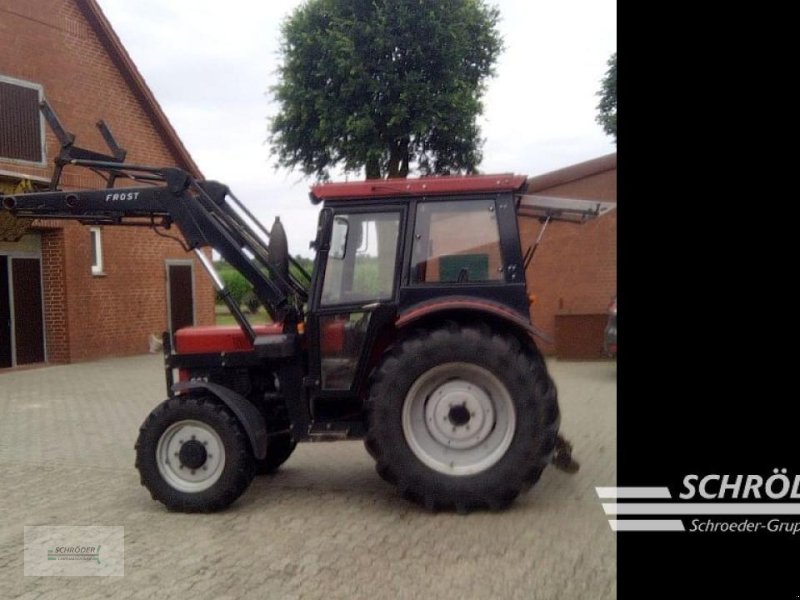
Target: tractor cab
[{"x": 390, "y": 253}]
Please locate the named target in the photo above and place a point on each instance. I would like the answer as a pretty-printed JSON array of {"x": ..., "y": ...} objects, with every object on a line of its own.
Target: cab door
[{"x": 356, "y": 292}]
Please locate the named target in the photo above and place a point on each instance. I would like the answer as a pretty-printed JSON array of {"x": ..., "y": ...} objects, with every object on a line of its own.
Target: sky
[{"x": 210, "y": 65}]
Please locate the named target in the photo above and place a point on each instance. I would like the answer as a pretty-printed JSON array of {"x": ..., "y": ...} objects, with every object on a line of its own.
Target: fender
[
  {"x": 248, "y": 415},
  {"x": 470, "y": 304}
]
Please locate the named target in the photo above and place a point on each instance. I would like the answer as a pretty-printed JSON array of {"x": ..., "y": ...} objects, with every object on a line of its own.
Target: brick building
[
  {"x": 70, "y": 292},
  {"x": 574, "y": 272}
]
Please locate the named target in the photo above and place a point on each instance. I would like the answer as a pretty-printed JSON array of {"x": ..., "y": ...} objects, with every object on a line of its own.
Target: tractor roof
[{"x": 423, "y": 186}]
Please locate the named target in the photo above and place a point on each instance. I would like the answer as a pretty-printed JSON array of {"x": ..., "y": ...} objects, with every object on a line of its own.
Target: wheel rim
[
  {"x": 190, "y": 456},
  {"x": 458, "y": 419}
]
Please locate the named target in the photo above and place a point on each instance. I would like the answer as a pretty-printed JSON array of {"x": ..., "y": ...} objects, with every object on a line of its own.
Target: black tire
[
  {"x": 233, "y": 469},
  {"x": 279, "y": 449},
  {"x": 520, "y": 371}
]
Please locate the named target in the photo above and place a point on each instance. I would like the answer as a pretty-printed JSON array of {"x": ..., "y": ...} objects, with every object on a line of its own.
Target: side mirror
[{"x": 339, "y": 238}]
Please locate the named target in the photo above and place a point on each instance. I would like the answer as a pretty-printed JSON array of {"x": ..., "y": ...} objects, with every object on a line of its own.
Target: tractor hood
[{"x": 222, "y": 338}]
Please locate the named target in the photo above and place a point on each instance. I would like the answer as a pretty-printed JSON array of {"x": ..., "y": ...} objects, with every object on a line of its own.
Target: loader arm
[{"x": 204, "y": 215}]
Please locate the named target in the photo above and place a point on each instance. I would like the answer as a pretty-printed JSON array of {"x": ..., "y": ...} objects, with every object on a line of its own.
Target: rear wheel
[
  {"x": 458, "y": 418},
  {"x": 462, "y": 418},
  {"x": 193, "y": 455}
]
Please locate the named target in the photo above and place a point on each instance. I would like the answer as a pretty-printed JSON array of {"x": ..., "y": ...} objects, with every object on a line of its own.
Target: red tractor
[{"x": 413, "y": 333}]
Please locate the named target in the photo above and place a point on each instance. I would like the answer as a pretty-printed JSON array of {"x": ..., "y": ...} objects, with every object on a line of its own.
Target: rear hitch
[{"x": 562, "y": 457}]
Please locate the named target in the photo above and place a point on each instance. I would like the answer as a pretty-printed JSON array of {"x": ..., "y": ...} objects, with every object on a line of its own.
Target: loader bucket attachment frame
[{"x": 206, "y": 213}]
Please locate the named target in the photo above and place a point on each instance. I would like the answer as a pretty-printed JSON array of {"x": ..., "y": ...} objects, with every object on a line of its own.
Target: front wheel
[
  {"x": 279, "y": 449},
  {"x": 462, "y": 417},
  {"x": 193, "y": 455}
]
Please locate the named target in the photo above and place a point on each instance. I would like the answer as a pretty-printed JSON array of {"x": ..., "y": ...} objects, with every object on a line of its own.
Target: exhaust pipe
[{"x": 9, "y": 202}]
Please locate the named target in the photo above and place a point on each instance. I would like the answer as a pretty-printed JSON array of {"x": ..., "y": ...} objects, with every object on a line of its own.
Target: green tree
[
  {"x": 236, "y": 284},
  {"x": 607, "y": 108},
  {"x": 383, "y": 85},
  {"x": 306, "y": 263}
]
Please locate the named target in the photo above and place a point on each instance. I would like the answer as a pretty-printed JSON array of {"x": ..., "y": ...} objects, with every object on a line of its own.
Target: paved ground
[{"x": 325, "y": 527}]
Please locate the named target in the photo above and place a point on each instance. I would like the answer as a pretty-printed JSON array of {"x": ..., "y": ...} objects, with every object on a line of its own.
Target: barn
[{"x": 70, "y": 292}]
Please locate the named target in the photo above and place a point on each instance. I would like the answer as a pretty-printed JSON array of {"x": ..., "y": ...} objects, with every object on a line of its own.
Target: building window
[
  {"x": 21, "y": 130},
  {"x": 97, "y": 250}
]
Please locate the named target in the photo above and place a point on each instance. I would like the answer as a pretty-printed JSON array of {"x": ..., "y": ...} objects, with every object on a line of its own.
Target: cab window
[
  {"x": 456, "y": 242},
  {"x": 361, "y": 260}
]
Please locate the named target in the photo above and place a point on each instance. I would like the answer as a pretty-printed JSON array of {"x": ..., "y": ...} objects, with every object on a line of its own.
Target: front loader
[{"x": 413, "y": 333}]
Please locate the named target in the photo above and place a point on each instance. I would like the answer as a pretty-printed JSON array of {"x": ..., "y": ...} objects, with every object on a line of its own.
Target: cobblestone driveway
[{"x": 326, "y": 526}]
